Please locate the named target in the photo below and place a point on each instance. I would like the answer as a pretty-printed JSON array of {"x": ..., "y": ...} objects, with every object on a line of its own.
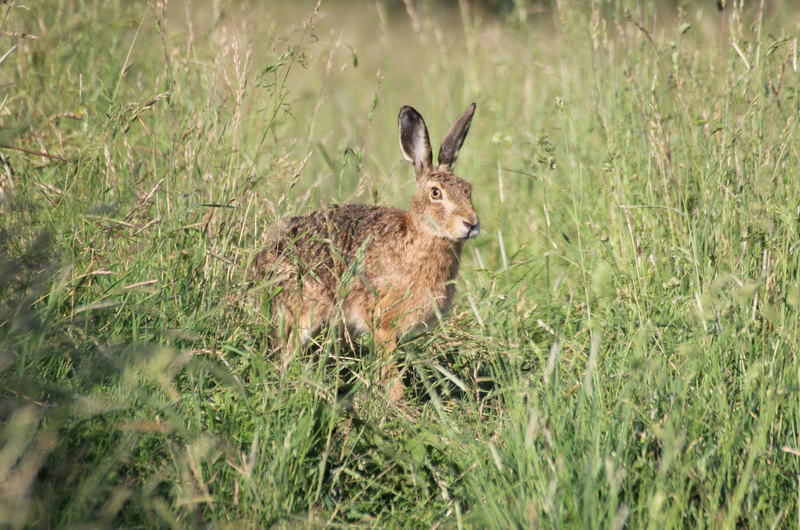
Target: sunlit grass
[{"x": 623, "y": 351}]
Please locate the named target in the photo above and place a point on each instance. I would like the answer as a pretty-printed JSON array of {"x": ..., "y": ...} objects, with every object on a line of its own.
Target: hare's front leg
[{"x": 386, "y": 342}]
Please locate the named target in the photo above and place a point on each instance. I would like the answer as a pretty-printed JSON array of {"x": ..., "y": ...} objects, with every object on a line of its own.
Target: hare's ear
[
  {"x": 414, "y": 140},
  {"x": 454, "y": 139}
]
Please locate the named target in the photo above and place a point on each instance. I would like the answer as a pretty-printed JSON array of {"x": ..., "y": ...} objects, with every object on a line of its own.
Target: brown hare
[{"x": 374, "y": 268}]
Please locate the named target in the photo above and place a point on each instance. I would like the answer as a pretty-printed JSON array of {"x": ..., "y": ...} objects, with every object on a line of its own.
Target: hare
[{"x": 373, "y": 268}]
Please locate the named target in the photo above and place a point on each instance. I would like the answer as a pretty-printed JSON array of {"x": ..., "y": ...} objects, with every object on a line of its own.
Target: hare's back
[{"x": 333, "y": 235}]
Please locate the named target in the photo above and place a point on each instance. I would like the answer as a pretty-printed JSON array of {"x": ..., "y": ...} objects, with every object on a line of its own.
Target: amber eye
[{"x": 436, "y": 194}]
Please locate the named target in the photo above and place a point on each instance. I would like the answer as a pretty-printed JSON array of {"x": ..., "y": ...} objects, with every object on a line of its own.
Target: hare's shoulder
[{"x": 376, "y": 222}]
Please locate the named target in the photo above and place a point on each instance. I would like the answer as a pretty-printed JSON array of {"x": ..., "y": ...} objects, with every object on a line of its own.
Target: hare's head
[{"x": 442, "y": 200}]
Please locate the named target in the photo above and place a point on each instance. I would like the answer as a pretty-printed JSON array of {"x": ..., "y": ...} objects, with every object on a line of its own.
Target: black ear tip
[
  {"x": 409, "y": 118},
  {"x": 471, "y": 109},
  {"x": 408, "y": 111}
]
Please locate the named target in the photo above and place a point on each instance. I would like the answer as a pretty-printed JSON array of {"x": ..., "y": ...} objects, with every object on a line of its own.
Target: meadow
[{"x": 623, "y": 348}]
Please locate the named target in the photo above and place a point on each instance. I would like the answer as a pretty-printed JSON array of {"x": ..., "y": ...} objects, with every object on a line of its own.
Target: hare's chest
[{"x": 428, "y": 306}]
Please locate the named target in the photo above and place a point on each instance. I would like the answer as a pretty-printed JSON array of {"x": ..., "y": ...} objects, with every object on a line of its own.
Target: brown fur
[{"x": 373, "y": 268}]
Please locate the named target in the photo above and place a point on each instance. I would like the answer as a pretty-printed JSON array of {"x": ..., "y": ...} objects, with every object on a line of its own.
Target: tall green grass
[{"x": 623, "y": 353}]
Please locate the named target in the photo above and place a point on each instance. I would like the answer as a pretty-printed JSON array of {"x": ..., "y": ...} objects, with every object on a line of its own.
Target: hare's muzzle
[{"x": 472, "y": 229}]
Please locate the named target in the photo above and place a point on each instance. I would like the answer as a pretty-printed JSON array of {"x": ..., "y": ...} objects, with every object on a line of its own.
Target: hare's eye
[{"x": 436, "y": 194}]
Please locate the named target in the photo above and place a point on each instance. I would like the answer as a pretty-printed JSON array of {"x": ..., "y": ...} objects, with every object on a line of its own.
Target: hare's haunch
[{"x": 373, "y": 268}]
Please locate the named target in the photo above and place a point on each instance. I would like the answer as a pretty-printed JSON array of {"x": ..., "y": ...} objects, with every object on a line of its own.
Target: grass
[{"x": 623, "y": 352}]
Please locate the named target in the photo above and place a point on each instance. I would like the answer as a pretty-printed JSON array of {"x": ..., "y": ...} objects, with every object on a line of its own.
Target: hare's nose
[{"x": 472, "y": 229}]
